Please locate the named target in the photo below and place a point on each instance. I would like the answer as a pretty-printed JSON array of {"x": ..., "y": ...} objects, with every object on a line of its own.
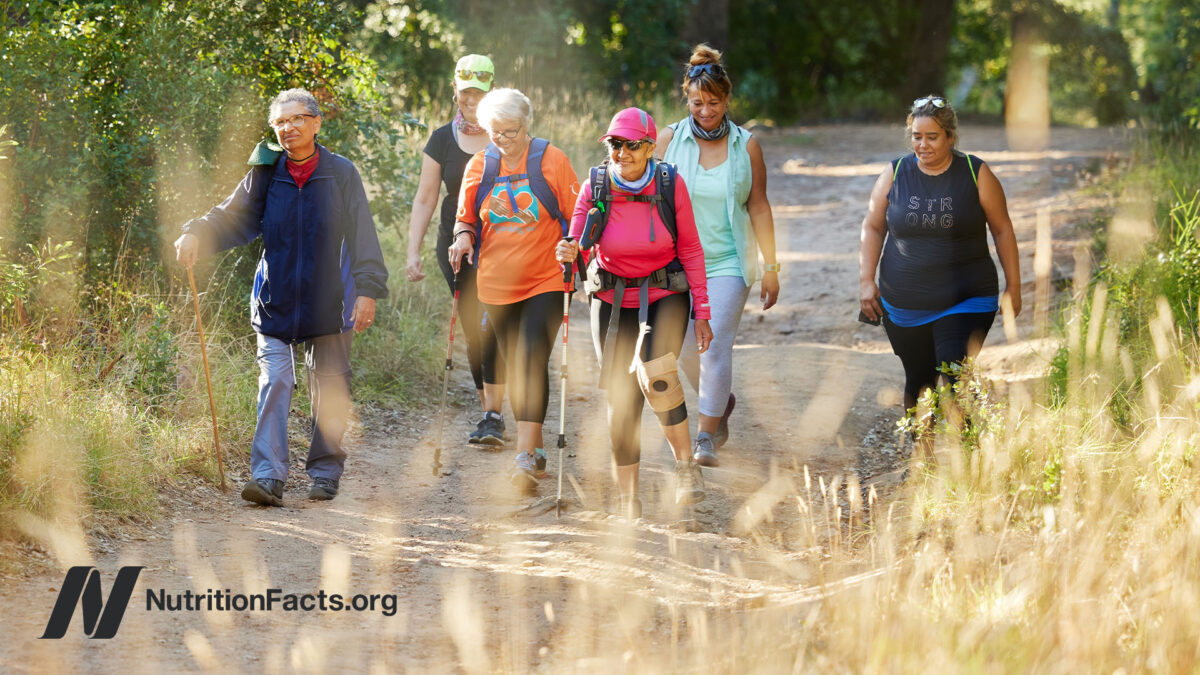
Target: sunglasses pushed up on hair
[
  {"x": 937, "y": 101},
  {"x": 481, "y": 75},
  {"x": 615, "y": 144},
  {"x": 714, "y": 69}
]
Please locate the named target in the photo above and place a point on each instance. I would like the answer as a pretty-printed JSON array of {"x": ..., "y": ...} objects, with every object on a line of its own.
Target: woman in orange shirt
[{"x": 508, "y": 223}]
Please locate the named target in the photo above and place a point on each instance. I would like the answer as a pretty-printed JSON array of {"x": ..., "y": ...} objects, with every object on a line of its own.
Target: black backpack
[{"x": 602, "y": 198}]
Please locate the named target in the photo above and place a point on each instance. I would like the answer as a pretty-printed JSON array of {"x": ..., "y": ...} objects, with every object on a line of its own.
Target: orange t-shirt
[{"x": 516, "y": 257}]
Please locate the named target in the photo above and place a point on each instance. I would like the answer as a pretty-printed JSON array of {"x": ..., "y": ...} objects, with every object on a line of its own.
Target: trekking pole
[
  {"x": 437, "y": 452},
  {"x": 212, "y": 408},
  {"x": 562, "y": 406}
]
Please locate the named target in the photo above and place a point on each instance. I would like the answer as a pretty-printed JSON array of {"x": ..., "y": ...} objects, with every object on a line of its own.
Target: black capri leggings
[
  {"x": 922, "y": 349},
  {"x": 484, "y": 359},
  {"x": 668, "y": 319},
  {"x": 525, "y": 333}
]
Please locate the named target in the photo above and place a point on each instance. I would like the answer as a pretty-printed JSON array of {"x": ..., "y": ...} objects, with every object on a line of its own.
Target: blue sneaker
[
  {"x": 489, "y": 430},
  {"x": 529, "y": 469},
  {"x": 703, "y": 452}
]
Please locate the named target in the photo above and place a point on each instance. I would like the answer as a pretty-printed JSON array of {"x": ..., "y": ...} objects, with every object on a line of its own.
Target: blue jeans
[{"x": 327, "y": 361}]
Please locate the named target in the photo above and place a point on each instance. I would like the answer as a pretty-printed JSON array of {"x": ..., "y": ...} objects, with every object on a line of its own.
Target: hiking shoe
[
  {"x": 529, "y": 469},
  {"x": 703, "y": 452},
  {"x": 721, "y": 435},
  {"x": 489, "y": 430},
  {"x": 323, "y": 489},
  {"x": 689, "y": 482},
  {"x": 264, "y": 491}
]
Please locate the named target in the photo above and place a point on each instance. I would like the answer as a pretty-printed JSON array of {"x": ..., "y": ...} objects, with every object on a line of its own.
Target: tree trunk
[
  {"x": 1027, "y": 91},
  {"x": 927, "y": 50},
  {"x": 707, "y": 21}
]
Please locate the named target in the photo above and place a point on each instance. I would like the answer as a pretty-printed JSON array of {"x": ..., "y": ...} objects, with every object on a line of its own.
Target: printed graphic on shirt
[
  {"x": 930, "y": 214},
  {"x": 513, "y": 208}
]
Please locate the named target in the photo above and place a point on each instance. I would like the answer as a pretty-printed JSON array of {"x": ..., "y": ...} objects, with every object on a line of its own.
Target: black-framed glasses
[
  {"x": 615, "y": 144},
  {"x": 507, "y": 134},
  {"x": 295, "y": 121},
  {"x": 936, "y": 101},
  {"x": 714, "y": 69},
  {"x": 481, "y": 75}
]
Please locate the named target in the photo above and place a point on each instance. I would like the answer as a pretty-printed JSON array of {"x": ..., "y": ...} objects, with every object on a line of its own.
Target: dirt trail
[{"x": 479, "y": 589}]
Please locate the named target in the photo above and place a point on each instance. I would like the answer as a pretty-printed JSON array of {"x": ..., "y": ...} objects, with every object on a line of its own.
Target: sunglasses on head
[
  {"x": 714, "y": 69},
  {"x": 481, "y": 75},
  {"x": 615, "y": 144},
  {"x": 922, "y": 102}
]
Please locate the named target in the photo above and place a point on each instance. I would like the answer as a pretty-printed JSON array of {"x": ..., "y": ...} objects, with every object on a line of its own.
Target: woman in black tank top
[
  {"x": 443, "y": 162},
  {"x": 925, "y": 234}
]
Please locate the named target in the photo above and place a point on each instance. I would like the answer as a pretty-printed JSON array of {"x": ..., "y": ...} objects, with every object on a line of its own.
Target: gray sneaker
[
  {"x": 323, "y": 489},
  {"x": 489, "y": 430},
  {"x": 689, "y": 483},
  {"x": 264, "y": 491},
  {"x": 703, "y": 452}
]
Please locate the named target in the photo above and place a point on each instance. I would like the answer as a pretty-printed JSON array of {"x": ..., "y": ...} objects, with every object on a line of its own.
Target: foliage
[
  {"x": 1166, "y": 34},
  {"x": 113, "y": 153}
]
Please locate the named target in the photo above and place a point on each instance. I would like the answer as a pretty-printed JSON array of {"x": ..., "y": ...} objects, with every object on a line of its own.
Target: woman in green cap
[{"x": 445, "y": 158}]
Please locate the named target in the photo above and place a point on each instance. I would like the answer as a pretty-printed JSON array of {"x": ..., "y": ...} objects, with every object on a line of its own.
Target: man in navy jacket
[{"x": 317, "y": 281}]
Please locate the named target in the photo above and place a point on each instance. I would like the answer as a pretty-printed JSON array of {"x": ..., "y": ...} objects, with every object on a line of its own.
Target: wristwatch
[{"x": 771, "y": 267}]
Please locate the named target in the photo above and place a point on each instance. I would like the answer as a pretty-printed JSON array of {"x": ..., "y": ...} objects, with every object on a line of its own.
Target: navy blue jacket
[{"x": 320, "y": 249}]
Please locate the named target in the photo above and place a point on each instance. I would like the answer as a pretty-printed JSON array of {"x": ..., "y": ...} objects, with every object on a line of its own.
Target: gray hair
[
  {"x": 297, "y": 95},
  {"x": 504, "y": 105}
]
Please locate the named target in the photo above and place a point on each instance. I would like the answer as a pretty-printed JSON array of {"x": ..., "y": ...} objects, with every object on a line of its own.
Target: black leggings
[
  {"x": 922, "y": 349},
  {"x": 668, "y": 319},
  {"x": 487, "y": 365},
  {"x": 525, "y": 334}
]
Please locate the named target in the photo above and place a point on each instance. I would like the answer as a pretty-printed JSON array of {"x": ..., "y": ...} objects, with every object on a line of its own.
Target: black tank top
[
  {"x": 445, "y": 151},
  {"x": 936, "y": 252}
]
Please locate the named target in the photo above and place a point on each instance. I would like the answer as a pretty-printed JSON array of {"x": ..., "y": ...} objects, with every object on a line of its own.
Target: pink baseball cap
[{"x": 632, "y": 124}]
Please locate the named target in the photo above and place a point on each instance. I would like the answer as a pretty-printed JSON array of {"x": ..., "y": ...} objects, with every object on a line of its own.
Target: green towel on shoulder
[{"x": 265, "y": 153}]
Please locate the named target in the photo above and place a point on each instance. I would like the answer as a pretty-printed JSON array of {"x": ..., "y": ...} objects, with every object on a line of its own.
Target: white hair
[
  {"x": 301, "y": 96},
  {"x": 504, "y": 105}
]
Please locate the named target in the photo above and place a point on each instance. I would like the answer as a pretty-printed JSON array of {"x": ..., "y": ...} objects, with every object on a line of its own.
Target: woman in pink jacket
[{"x": 634, "y": 224}]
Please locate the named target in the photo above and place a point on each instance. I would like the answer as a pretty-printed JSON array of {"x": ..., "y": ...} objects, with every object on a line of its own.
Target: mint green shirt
[
  {"x": 708, "y": 191},
  {"x": 684, "y": 153}
]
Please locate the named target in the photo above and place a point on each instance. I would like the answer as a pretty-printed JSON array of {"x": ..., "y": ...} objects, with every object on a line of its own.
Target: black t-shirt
[
  {"x": 936, "y": 252},
  {"x": 445, "y": 151}
]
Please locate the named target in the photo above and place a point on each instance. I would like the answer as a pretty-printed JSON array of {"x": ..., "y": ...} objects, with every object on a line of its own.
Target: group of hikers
[{"x": 665, "y": 236}]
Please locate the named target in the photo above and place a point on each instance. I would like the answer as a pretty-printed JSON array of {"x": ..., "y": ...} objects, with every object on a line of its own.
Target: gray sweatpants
[{"x": 711, "y": 374}]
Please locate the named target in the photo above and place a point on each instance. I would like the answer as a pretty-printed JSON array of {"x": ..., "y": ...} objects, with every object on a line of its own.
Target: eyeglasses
[
  {"x": 922, "y": 102},
  {"x": 714, "y": 69},
  {"x": 615, "y": 144},
  {"x": 507, "y": 134},
  {"x": 481, "y": 75},
  {"x": 295, "y": 121}
]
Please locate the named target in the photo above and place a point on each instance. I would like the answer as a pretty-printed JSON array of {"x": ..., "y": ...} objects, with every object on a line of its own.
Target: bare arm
[
  {"x": 762, "y": 221},
  {"x": 995, "y": 207},
  {"x": 664, "y": 140},
  {"x": 874, "y": 228},
  {"x": 428, "y": 189}
]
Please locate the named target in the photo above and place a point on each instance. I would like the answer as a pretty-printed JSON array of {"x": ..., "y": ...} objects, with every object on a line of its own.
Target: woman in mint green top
[{"x": 723, "y": 167}]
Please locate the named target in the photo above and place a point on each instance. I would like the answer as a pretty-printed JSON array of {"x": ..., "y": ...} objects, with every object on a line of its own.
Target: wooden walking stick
[{"x": 212, "y": 408}]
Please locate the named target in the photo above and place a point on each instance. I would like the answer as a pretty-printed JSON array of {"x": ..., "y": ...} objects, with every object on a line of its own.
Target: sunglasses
[
  {"x": 714, "y": 69},
  {"x": 615, "y": 144},
  {"x": 922, "y": 102},
  {"x": 481, "y": 75}
]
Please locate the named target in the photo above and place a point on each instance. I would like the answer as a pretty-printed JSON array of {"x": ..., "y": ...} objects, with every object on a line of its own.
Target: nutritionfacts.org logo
[{"x": 102, "y": 617}]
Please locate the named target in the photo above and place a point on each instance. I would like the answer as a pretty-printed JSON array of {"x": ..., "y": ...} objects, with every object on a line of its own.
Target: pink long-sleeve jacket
[{"x": 626, "y": 249}]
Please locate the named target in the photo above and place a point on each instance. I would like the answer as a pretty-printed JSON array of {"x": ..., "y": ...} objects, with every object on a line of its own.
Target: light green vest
[{"x": 684, "y": 153}]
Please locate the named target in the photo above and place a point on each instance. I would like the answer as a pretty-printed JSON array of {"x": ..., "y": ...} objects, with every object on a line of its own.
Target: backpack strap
[
  {"x": 896, "y": 171},
  {"x": 664, "y": 175},
  {"x": 541, "y": 188},
  {"x": 491, "y": 168},
  {"x": 971, "y": 166}
]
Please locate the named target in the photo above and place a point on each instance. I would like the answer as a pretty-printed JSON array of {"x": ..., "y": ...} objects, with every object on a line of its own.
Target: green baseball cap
[{"x": 474, "y": 71}]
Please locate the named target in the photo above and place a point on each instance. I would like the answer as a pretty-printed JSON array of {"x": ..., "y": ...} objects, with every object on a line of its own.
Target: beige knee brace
[{"x": 659, "y": 380}]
